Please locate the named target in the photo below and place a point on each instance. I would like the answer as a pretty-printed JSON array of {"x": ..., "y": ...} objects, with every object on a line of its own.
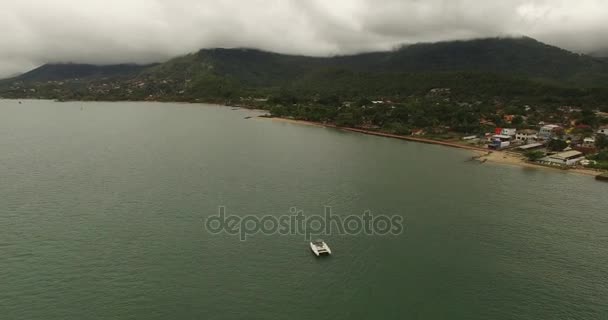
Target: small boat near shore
[{"x": 320, "y": 248}]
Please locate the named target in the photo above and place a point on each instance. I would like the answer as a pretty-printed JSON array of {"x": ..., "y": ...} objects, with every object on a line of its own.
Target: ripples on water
[{"x": 101, "y": 213}]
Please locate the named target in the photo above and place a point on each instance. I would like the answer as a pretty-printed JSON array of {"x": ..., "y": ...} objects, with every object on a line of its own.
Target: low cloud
[{"x": 34, "y": 32}]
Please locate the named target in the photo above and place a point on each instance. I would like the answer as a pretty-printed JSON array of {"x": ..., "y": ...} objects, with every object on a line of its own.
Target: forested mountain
[
  {"x": 522, "y": 56},
  {"x": 506, "y": 67},
  {"x": 72, "y": 71},
  {"x": 510, "y": 56}
]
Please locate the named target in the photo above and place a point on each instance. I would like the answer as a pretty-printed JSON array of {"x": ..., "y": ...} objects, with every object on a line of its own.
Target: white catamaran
[{"x": 320, "y": 248}]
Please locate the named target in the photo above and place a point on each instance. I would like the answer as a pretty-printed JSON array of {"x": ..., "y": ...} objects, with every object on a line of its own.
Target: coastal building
[
  {"x": 505, "y": 132},
  {"x": 586, "y": 146},
  {"x": 526, "y": 136},
  {"x": 568, "y": 158},
  {"x": 549, "y": 131},
  {"x": 469, "y": 138},
  {"x": 531, "y": 147},
  {"x": 499, "y": 141},
  {"x": 603, "y": 130},
  {"x": 418, "y": 132},
  {"x": 508, "y": 132},
  {"x": 589, "y": 143},
  {"x": 439, "y": 91}
]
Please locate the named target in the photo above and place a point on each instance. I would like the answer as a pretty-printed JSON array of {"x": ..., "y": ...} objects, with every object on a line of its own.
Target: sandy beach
[
  {"x": 381, "y": 134},
  {"x": 301, "y": 122},
  {"x": 480, "y": 154},
  {"x": 515, "y": 159}
]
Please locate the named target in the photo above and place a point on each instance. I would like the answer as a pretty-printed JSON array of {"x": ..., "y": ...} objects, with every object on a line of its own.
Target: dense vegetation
[
  {"x": 58, "y": 72},
  {"x": 461, "y": 86}
]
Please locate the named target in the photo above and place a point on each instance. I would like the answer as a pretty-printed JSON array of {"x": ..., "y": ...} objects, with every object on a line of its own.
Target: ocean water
[{"x": 103, "y": 208}]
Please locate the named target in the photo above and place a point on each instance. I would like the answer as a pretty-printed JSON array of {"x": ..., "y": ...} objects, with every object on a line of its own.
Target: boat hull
[{"x": 320, "y": 251}]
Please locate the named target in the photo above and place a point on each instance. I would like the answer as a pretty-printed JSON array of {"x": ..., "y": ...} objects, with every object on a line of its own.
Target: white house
[
  {"x": 508, "y": 132},
  {"x": 568, "y": 158},
  {"x": 526, "y": 135},
  {"x": 589, "y": 143},
  {"x": 547, "y": 132},
  {"x": 499, "y": 141},
  {"x": 603, "y": 130}
]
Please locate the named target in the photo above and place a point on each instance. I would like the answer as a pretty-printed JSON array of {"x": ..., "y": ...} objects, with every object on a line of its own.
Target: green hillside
[
  {"x": 507, "y": 68},
  {"x": 71, "y": 71},
  {"x": 511, "y": 56}
]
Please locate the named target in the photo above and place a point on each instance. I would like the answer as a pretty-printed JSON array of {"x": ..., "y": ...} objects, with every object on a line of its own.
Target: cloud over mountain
[{"x": 33, "y": 32}]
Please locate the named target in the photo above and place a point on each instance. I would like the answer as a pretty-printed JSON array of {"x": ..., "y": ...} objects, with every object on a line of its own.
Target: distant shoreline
[
  {"x": 383, "y": 134},
  {"x": 481, "y": 154}
]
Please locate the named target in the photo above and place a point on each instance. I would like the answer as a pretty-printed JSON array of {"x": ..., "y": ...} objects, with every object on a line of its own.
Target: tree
[
  {"x": 345, "y": 119},
  {"x": 363, "y": 102},
  {"x": 601, "y": 156},
  {"x": 398, "y": 128},
  {"x": 601, "y": 141},
  {"x": 514, "y": 110},
  {"x": 557, "y": 145},
  {"x": 534, "y": 155},
  {"x": 588, "y": 117},
  {"x": 278, "y": 111},
  {"x": 330, "y": 100},
  {"x": 284, "y": 97},
  {"x": 517, "y": 121}
]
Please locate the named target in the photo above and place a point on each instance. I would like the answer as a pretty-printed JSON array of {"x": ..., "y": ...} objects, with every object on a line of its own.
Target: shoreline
[
  {"x": 480, "y": 154},
  {"x": 382, "y": 134},
  {"x": 510, "y": 159}
]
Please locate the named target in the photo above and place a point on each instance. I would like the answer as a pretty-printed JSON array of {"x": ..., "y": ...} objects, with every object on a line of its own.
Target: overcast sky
[{"x": 34, "y": 32}]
